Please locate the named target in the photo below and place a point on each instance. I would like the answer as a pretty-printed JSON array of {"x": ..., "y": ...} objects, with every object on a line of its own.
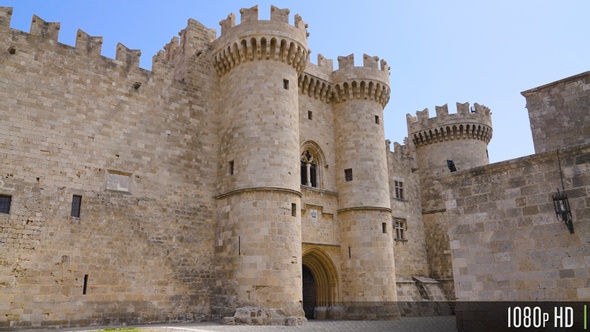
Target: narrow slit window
[
  {"x": 377, "y": 119},
  {"x": 5, "y": 202},
  {"x": 384, "y": 227},
  {"x": 231, "y": 167},
  {"x": 76, "y": 205},
  {"x": 348, "y": 174},
  {"x": 286, "y": 84},
  {"x": 293, "y": 209},
  {"x": 349, "y": 253},
  {"x": 309, "y": 115},
  {"x": 84, "y": 288}
]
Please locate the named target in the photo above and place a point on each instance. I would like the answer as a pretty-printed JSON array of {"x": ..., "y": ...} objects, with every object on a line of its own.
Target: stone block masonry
[
  {"x": 71, "y": 120},
  {"x": 236, "y": 181},
  {"x": 506, "y": 242},
  {"x": 460, "y": 140},
  {"x": 559, "y": 113},
  {"x": 187, "y": 177}
]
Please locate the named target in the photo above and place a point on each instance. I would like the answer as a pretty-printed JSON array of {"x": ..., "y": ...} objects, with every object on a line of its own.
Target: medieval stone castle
[{"x": 237, "y": 181}]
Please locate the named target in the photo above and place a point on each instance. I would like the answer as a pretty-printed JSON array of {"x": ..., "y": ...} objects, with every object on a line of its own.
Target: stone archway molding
[{"x": 325, "y": 275}]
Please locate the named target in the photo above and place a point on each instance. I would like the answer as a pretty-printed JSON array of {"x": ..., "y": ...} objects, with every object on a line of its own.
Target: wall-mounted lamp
[
  {"x": 561, "y": 203},
  {"x": 562, "y": 209}
]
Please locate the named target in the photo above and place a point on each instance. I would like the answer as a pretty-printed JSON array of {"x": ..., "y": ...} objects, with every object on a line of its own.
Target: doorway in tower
[
  {"x": 309, "y": 293},
  {"x": 320, "y": 282}
]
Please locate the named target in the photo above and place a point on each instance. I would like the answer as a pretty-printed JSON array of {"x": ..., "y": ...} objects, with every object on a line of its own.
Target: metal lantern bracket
[
  {"x": 562, "y": 204},
  {"x": 562, "y": 209}
]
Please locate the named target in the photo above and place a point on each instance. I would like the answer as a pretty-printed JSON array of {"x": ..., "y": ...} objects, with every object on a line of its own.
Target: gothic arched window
[{"x": 309, "y": 170}]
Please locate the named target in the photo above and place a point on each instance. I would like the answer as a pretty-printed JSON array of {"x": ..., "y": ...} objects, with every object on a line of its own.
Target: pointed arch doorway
[{"x": 320, "y": 281}]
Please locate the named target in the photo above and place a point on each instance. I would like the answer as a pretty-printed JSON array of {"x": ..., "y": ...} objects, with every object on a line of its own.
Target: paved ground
[{"x": 411, "y": 324}]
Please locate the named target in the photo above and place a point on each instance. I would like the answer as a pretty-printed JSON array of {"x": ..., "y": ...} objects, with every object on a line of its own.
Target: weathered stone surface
[
  {"x": 209, "y": 182},
  {"x": 189, "y": 176},
  {"x": 335, "y": 312},
  {"x": 536, "y": 255},
  {"x": 558, "y": 113}
]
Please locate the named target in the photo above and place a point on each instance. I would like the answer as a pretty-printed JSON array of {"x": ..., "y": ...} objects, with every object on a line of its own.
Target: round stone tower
[
  {"x": 445, "y": 144},
  {"x": 449, "y": 142},
  {"x": 364, "y": 212},
  {"x": 259, "y": 200}
]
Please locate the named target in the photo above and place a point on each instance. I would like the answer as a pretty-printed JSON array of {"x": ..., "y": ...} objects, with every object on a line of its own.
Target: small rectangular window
[
  {"x": 286, "y": 84},
  {"x": 309, "y": 115},
  {"x": 231, "y": 167},
  {"x": 377, "y": 119},
  {"x": 5, "y": 202},
  {"x": 76, "y": 205},
  {"x": 384, "y": 227},
  {"x": 348, "y": 174},
  {"x": 293, "y": 209},
  {"x": 451, "y": 165},
  {"x": 399, "y": 190}
]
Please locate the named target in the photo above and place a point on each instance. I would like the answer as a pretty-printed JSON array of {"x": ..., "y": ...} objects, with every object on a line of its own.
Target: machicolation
[
  {"x": 367, "y": 82},
  {"x": 474, "y": 123}
]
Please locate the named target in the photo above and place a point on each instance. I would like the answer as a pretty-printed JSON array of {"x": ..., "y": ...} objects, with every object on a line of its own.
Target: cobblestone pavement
[
  {"x": 410, "y": 324},
  {"x": 426, "y": 324}
]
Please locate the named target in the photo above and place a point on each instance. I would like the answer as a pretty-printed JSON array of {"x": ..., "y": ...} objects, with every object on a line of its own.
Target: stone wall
[
  {"x": 319, "y": 130},
  {"x": 316, "y": 134},
  {"x": 506, "y": 242},
  {"x": 137, "y": 146},
  {"x": 559, "y": 113},
  {"x": 410, "y": 253}
]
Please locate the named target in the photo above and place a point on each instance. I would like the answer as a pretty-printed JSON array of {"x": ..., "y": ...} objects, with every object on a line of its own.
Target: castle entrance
[
  {"x": 309, "y": 293},
  {"x": 320, "y": 281}
]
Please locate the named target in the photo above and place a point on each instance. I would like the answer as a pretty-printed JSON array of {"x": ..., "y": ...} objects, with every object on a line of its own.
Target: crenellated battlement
[
  {"x": 85, "y": 44},
  {"x": 325, "y": 64},
  {"x": 347, "y": 62},
  {"x": 46, "y": 30},
  {"x": 370, "y": 82},
  {"x": 399, "y": 150},
  {"x": 248, "y": 15},
  {"x": 5, "y": 17},
  {"x": 255, "y": 39},
  {"x": 91, "y": 44},
  {"x": 467, "y": 123},
  {"x": 127, "y": 56},
  {"x": 170, "y": 62}
]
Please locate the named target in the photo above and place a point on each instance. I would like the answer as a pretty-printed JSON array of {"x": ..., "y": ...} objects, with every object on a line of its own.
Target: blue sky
[{"x": 439, "y": 51}]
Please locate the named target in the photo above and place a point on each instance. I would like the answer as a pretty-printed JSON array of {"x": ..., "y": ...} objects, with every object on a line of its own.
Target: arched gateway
[{"x": 320, "y": 281}]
